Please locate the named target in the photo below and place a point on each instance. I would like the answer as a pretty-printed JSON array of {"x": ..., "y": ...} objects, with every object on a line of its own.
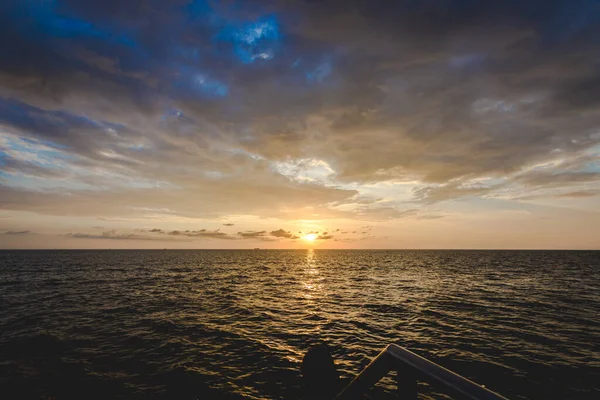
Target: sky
[{"x": 300, "y": 123}]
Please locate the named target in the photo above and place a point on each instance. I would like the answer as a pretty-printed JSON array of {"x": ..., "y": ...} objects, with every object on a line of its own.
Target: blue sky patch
[{"x": 255, "y": 40}]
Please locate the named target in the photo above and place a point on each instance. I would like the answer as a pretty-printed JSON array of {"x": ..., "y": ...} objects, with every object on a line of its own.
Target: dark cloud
[
  {"x": 286, "y": 108},
  {"x": 176, "y": 234},
  {"x": 324, "y": 237},
  {"x": 228, "y": 224},
  {"x": 256, "y": 235},
  {"x": 252, "y": 234},
  {"x": 18, "y": 233},
  {"x": 59, "y": 126},
  {"x": 155, "y": 234},
  {"x": 112, "y": 235},
  {"x": 579, "y": 93},
  {"x": 280, "y": 233},
  {"x": 202, "y": 233}
]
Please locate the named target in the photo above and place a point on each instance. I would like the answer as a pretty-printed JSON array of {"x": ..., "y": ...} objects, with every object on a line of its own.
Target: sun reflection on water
[
  {"x": 311, "y": 279},
  {"x": 242, "y": 320}
]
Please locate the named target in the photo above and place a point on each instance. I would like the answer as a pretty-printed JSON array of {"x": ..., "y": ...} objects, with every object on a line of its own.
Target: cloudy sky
[{"x": 355, "y": 124}]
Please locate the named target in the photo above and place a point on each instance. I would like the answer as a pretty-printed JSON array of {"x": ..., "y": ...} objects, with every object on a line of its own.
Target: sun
[{"x": 310, "y": 237}]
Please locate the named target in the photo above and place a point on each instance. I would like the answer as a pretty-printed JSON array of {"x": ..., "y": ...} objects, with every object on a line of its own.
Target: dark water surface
[{"x": 226, "y": 324}]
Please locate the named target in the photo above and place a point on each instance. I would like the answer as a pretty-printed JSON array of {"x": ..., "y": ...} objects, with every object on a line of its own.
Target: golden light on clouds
[{"x": 426, "y": 156}]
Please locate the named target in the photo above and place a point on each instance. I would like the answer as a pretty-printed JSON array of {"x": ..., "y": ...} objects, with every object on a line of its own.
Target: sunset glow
[
  {"x": 311, "y": 237},
  {"x": 258, "y": 199},
  {"x": 241, "y": 126}
]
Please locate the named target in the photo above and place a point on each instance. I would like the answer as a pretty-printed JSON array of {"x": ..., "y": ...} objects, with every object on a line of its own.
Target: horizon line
[{"x": 296, "y": 249}]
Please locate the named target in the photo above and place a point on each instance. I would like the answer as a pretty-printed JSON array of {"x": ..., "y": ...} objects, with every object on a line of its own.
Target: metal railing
[{"x": 410, "y": 368}]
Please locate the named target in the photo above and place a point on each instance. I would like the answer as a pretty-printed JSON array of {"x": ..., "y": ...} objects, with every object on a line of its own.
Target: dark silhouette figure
[{"x": 321, "y": 378}]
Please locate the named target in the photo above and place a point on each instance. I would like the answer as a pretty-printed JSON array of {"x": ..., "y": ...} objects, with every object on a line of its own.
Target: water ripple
[{"x": 235, "y": 324}]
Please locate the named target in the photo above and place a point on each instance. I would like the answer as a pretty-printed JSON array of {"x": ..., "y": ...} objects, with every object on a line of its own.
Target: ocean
[{"x": 171, "y": 324}]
